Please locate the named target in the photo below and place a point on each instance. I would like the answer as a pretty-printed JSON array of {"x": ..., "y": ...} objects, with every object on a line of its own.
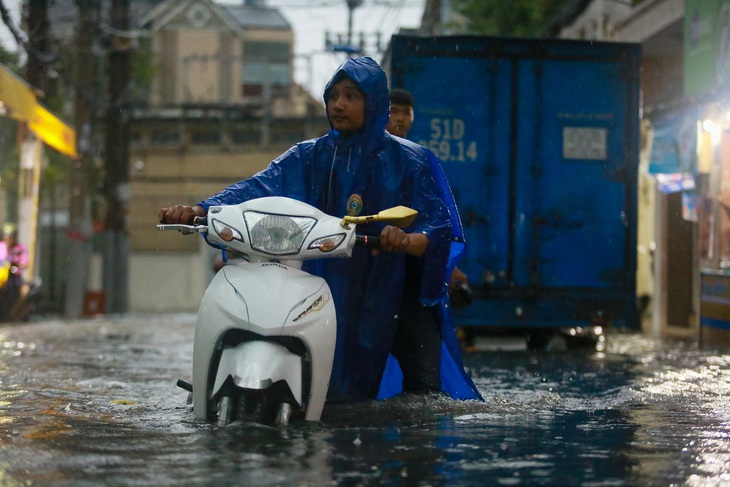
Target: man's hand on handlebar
[
  {"x": 393, "y": 239},
  {"x": 180, "y": 214}
]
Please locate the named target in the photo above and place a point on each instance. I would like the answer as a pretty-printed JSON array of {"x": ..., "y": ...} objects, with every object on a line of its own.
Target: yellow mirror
[{"x": 400, "y": 216}]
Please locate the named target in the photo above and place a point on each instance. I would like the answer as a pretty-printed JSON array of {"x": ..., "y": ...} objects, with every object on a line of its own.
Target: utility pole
[
  {"x": 79, "y": 229},
  {"x": 344, "y": 43},
  {"x": 31, "y": 147},
  {"x": 116, "y": 187},
  {"x": 351, "y": 6},
  {"x": 39, "y": 29}
]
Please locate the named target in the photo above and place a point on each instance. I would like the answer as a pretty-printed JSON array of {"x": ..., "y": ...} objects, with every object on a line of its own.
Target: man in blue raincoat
[{"x": 358, "y": 168}]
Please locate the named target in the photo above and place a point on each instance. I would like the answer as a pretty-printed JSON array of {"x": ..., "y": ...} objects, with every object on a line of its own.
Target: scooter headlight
[{"x": 277, "y": 234}]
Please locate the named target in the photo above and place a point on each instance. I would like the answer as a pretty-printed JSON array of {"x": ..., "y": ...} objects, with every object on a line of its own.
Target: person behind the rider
[
  {"x": 400, "y": 122},
  {"x": 360, "y": 169},
  {"x": 401, "y": 112}
]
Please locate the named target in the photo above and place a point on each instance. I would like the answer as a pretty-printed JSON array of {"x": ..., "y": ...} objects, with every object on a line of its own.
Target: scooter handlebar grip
[
  {"x": 200, "y": 220},
  {"x": 367, "y": 241}
]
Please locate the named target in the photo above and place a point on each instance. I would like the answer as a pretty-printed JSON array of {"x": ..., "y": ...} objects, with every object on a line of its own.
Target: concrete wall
[{"x": 168, "y": 281}]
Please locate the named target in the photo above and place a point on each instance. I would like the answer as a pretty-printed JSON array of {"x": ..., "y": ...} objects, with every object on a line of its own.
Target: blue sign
[{"x": 674, "y": 149}]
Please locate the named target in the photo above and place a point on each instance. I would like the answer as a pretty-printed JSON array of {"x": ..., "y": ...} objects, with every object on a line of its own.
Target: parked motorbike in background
[
  {"x": 28, "y": 302},
  {"x": 265, "y": 332},
  {"x": 17, "y": 302}
]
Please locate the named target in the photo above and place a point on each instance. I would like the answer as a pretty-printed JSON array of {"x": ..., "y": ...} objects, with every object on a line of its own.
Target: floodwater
[{"x": 93, "y": 402}]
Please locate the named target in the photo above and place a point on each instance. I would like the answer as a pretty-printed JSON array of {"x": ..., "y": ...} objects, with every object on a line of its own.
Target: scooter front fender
[{"x": 258, "y": 365}]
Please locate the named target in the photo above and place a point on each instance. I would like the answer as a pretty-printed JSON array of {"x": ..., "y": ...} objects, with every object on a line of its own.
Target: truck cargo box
[{"x": 539, "y": 140}]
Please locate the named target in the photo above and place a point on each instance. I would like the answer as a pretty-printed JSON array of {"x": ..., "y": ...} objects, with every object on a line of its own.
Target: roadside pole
[
  {"x": 31, "y": 146},
  {"x": 116, "y": 184},
  {"x": 79, "y": 230},
  {"x": 31, "y": 153}
]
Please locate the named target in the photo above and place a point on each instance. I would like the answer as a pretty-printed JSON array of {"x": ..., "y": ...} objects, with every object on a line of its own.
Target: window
[
  {"x": 274, "y": 52},
  {"x": 165, "y": 137},
  {"x": 205, "y": 137},
  {"x": 247, "y": 136},
  {"x": 265, "y": 62}
]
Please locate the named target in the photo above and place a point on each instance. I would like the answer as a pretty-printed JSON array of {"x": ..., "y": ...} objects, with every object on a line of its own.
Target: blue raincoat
[{"x": 380, "y": 171}]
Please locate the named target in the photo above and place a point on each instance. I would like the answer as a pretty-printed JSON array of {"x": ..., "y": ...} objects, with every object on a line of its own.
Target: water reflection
[
  {"x": 94, "y": 403},
  {"x": 684, "y": 413}
]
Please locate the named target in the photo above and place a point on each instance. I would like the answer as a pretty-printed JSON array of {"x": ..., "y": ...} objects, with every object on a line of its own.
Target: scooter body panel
[{"x": 269, "y": 300}]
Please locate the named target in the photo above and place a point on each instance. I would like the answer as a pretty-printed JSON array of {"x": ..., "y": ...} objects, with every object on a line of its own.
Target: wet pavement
[{"x": 94, "y": 402}]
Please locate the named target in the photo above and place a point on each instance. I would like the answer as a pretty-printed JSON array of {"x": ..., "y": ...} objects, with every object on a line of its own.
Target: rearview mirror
[{"x": 399, "y": 216}]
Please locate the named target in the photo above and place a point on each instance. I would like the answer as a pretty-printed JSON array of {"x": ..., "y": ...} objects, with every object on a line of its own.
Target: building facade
[
  {"x": 214, "y": 102},
  {"x": 221, "y": 106}
]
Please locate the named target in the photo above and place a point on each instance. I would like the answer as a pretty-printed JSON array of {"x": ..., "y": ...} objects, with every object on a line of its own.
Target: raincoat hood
[{"x": 371, "y": 79}]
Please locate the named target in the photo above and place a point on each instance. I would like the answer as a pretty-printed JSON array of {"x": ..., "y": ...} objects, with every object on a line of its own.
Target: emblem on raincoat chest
[{"x": 354, "y": 205}]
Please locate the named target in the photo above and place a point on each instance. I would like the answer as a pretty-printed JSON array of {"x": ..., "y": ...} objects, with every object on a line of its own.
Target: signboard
[
  {"x": 674, "y": 146},
  {"x": 715, "y": 308},
  {"x": 706, "y": 45},
  {"x": 19, "y": 98},
  {"x": 585, "y": 143}
]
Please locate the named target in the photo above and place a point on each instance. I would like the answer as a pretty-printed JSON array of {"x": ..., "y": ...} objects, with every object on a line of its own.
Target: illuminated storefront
[{"x": 706, "y": 74}]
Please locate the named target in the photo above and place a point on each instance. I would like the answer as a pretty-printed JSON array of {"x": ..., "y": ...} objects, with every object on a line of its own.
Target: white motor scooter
[{"x": 265, "y": 332}]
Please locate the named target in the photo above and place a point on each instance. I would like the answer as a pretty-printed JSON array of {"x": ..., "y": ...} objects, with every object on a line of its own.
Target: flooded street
[{"x": 94, "y": 402}]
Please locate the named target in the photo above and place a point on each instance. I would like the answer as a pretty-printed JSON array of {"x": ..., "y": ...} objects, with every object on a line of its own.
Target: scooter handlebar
[
  {"x": 184, "y": 229},
  {"x": 200, "y": 224},
  {"x": 367, "y": 241}
]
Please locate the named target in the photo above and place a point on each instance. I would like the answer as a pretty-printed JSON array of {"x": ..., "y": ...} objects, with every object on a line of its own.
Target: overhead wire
[
  {"x": 334, "y": 3},
  {"x": 395, "y": 9},
  {"x": 22, "y": 39},
  {"x": 304, "y": 3}
]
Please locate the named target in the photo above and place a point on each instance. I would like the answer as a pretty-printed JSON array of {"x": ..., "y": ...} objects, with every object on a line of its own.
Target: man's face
[
  {"x": 346, "y": 107},
  {"x": 401, "y": 120}
]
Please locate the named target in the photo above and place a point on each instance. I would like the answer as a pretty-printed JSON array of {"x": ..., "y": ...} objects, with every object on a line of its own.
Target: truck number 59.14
[{"x": 447, "y": 140}]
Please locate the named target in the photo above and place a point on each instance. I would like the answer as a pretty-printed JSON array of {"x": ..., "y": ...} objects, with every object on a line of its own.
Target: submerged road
[{"x": 93, "y": 402}]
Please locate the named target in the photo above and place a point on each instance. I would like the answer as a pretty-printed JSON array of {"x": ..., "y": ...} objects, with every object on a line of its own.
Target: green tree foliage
[
  {"x": 510, "y": 18},
  {"x": 9, "y": 154},
  {"x": 9, "y": 59},
  {"x": 144, "y": 69}
]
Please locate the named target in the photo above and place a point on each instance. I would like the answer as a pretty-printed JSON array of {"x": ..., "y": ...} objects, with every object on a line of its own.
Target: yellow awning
[
  {"x": 18, "y": 97},
  {"x": 54, "y": 132}
]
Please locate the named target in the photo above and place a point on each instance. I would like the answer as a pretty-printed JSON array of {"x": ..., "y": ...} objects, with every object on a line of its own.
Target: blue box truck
[{"x": 539, "y": 140}]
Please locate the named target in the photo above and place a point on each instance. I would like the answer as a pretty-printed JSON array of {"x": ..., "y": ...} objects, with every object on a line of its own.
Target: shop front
[
  {"x": 706, "y": 75},
  {"x": 715, "y": 232}
]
